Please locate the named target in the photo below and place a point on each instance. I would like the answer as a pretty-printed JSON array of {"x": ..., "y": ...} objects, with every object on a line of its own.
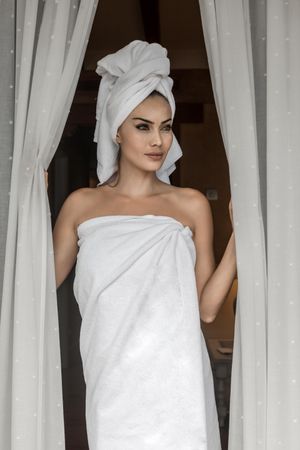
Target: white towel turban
[{"x": 128, "y": 77}]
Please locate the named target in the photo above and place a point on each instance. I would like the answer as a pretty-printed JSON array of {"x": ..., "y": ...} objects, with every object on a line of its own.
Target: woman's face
[{"x": 146, "y": 135}]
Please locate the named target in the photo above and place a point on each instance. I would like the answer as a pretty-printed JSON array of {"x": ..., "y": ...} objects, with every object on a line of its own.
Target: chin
[
  {"x": 148, "y": 166},
  {"x": 153, "y": 167}
]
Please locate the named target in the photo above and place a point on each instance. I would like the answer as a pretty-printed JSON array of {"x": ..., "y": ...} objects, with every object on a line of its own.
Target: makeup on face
[{"x": 147, "y": 133}]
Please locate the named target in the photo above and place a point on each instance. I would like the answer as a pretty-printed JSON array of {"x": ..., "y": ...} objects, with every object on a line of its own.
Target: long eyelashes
[
  {"x": 167, "y": 128},
  {"x": 142, "y": 127},
  {"x": 145, "y": 127}
]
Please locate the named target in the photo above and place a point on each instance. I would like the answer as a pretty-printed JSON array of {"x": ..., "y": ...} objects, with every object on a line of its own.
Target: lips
[{"x": 155, "y": 156}]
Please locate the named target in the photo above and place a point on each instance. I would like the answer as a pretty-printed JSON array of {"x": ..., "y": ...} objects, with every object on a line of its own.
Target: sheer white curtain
[
  {"x": 283, "y": 196},
  {"x": 255, "y": 72},
  {"x": 51, "y": 38},
  {"x": 7, "y": 45},
  {"x": 228, "y": 41}
]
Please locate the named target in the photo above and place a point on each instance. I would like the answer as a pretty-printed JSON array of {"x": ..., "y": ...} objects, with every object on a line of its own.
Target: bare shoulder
[
  {"x": 194, "y": 202},
  {"x": 192, "y": 196},
  {"x": 75, "y": 205},
  {"x": 80, "y": 195},
  {"x": 77, "y": 198}
]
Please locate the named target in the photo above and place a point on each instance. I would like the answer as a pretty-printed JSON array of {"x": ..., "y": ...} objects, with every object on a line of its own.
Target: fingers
[
  {"x": 46, "y": 178},
  {"x": 230, "y": 212}
]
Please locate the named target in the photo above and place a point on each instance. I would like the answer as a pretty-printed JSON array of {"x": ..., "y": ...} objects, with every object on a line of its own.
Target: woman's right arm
[{"x": 65, "y": 238}]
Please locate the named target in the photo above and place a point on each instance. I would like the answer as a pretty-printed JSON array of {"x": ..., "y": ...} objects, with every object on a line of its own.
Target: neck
[{"x": 135, "y": 183}]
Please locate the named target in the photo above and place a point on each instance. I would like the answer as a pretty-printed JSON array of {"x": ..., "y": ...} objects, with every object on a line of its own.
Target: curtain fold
[
  {"x": 258, "y": 14},
  {"x": 283, "y": 200},
  {"x": 265, "y": 396},
  {"x": 226, "y": 27},
  {"x": 51, "y": 39},
  {"x": 7, "y": 64}
]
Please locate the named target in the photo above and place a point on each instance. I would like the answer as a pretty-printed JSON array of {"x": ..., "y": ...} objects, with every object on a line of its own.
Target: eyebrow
[{"x": 149, "y": 121}]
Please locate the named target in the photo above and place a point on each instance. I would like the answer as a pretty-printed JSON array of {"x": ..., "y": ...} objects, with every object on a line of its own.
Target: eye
[
  {"x": 142, "y": 126},
  {"x": 167, "y": 127}
]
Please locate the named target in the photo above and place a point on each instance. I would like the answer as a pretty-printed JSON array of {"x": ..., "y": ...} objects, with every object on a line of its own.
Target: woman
[{"x": 145, "y": 269}]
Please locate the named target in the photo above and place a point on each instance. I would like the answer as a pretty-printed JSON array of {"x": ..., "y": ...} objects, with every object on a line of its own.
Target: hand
[
  {"x": 230, "y": 212},
  {"x": 46, "y": 178}
]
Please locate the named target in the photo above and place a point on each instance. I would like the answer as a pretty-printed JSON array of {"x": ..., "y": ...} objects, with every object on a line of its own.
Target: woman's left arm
[{"x": 213, "y": 283}]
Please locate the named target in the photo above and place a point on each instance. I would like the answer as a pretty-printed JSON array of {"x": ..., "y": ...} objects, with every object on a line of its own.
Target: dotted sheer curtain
[
  {"x": 50, "y": 42},
  {"x": 253, "y": 47},
  {"x": 283, "y": 194},
  {"x": 7, "y": 60}
]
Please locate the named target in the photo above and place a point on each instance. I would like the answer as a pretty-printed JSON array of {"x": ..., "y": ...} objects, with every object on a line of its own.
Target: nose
[{"x": 156, "y": 139}]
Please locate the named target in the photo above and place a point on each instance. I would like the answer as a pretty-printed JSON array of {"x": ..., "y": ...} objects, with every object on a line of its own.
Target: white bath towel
[
  {"x": 148, "y": 376},
  {"x": 128, "y": 77}
]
